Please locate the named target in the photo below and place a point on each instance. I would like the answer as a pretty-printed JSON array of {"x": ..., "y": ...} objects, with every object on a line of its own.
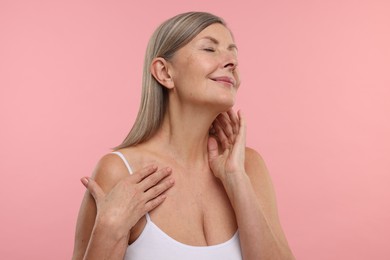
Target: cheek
[
  {"x": 192, "y": 73},
  {"x": 203, "y": 64},
  {"x": 237, "y": 77}
]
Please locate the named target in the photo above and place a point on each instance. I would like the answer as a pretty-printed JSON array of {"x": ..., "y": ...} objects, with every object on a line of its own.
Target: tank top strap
[
  {"x": 148, "y": 217},
  {"x": 124, "y": 160},
  {"x": 131, "y": 172}
]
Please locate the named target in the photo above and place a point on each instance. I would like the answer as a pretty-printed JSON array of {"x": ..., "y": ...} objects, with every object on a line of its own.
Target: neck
[{"x": 184, "y": 135}]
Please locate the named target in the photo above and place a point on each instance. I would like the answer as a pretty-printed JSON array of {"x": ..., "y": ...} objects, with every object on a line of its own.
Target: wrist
[
  {"x": 233, "y": 182},
  {"x": 230, "y": 180},
  {"x": 110, "y": 228},
  {"x": 239, "y": 190}
]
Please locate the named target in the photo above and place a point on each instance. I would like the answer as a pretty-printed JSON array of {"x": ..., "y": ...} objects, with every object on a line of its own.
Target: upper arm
[
  {"x": 263, "y": 187},
  {"x": 107, "y": 173}
]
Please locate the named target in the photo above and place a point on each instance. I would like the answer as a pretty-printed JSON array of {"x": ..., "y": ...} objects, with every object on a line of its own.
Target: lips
[{"x": 224, "y": 79}]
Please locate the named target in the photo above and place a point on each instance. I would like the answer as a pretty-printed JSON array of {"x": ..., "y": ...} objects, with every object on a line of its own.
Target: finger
[
  {"x": 152, "y": 204},
  {"x": 158, "y": 189},
  {"x": 242, "y": 131},
  {"x": 212, "y": 130},
  {"x": 227, "y": 126},
  {"x": 212, "y": 147},
  {"x": 221, "y": 135},
  {"x": 93, "y": 188},
  {"x": 155, "y": 178},
  {"x": 144, "y": 172},
  {"x": 234, "y": 119}
]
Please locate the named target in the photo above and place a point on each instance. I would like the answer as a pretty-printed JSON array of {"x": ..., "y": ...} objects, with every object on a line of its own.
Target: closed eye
[{"x": 209, "y": 49}]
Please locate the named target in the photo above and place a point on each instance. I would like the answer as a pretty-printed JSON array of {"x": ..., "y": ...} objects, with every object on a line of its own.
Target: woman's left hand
[{"x": 230, "y": 129}]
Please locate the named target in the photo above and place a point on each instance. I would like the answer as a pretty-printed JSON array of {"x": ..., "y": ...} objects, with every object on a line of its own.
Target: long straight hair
[{"x": 168, "y": 38}]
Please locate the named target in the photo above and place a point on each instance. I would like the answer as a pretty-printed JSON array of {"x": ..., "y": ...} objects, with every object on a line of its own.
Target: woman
[{"x": 194, "y": 190}]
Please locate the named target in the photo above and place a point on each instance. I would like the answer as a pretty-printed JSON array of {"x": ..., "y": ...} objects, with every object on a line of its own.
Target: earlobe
[{"x": 159, "y": 70}]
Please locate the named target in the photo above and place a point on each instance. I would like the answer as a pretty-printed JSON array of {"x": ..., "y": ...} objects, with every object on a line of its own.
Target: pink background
[{"x": 315, "y": 91}]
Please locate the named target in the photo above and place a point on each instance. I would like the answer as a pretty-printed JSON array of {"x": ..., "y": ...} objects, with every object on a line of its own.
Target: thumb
[
  {"x": 212, "y": 147},
  {"x": 93, "y": 188}
]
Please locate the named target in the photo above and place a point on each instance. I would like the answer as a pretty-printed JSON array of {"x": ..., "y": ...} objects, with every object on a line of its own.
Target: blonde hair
[{"x": 169, "y": 37}]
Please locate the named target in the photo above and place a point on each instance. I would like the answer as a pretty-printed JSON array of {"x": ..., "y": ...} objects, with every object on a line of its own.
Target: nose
[
  {"x": 230, "y": 61},
  {"x": 231, "y": 65}
]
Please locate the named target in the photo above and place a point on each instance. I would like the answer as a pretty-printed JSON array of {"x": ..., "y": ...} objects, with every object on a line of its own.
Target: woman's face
[{"x": 204, "y": 70}]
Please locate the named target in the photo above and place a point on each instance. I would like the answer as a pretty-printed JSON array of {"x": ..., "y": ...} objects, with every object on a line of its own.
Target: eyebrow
[{"x": 230, "y": 47}]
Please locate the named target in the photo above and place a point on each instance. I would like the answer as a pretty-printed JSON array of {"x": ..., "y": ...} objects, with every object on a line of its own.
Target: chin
[
  {"x": 222, "y": 105},
  {"x": 227, "y": 100}
]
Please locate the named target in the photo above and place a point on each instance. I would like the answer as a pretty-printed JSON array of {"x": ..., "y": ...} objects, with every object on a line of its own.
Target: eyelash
[{"x": 209, "y": 50}]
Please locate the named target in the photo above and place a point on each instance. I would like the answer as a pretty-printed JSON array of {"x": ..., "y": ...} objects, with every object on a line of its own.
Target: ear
[{"x": 160, "y": 71}]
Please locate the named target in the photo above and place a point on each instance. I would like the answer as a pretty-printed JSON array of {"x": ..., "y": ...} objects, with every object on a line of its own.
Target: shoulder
[
  {"x": 109, "y": 170},
  {"x": 254, "y": 162},
  {"x": 259, "y": 176}
]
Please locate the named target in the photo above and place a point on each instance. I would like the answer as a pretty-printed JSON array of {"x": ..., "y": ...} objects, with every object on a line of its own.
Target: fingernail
[{"x": 84, "y": 181}]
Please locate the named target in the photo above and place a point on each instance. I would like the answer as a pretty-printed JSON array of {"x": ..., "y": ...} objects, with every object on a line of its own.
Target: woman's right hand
[{"x": 130, "y": 199}]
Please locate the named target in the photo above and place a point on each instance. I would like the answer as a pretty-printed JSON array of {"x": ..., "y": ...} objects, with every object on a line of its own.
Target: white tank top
[{"x": 155, "y": 244}]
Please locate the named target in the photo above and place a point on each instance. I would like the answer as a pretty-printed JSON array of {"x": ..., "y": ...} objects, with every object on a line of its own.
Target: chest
[{"x": 196, "y": 211}]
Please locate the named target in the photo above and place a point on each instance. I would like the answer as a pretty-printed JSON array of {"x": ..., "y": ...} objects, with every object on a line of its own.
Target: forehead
[{"x": 216, "y": 31}]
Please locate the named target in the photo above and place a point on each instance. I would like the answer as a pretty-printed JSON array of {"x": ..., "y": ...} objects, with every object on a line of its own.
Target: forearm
[
  {"x": 106, "y": 244},
  {"x": 258, "y": 238}
]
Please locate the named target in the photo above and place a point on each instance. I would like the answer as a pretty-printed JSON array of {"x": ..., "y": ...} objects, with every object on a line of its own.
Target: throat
[{"x": 184, "y": 134}]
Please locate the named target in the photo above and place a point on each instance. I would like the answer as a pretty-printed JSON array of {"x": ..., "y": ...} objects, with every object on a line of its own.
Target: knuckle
[
  {"x": 143, "y": 200},
  {"x": 157, "y": 190},
  {"x": 168, "y": 184},
  {"x": 137, "y": 176},
  {"x": 155, "y": 178},
  {"x": 148, "y": 206},
  {"x": 137, "y": 192},
  {"x": 155, "y": 202},
  {"x": 145, "y": 209},
  {"x": 142, "y": 173},
  {"x": 145, "y": 172}
]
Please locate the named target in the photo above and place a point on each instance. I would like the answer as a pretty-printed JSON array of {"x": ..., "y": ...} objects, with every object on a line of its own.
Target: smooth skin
[{"x": 215, "y": 185}]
